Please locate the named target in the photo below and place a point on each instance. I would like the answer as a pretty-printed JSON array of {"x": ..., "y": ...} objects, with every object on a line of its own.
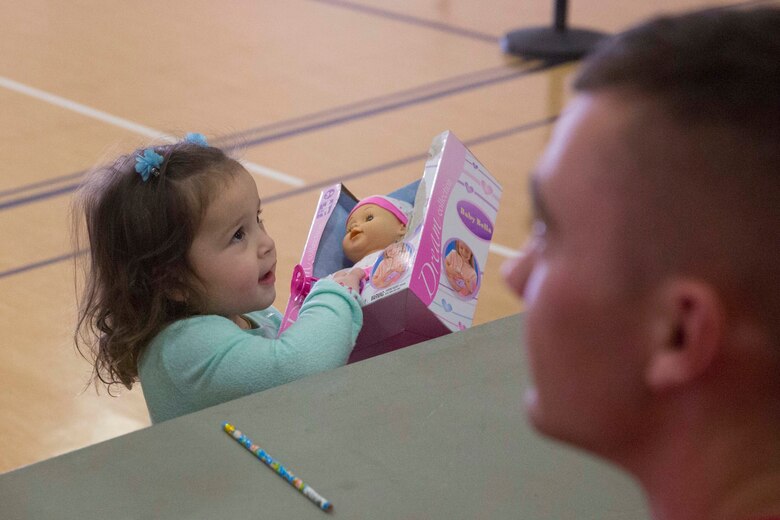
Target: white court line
[
  {"x": 272, "y": 174},
  {"x": 503, "y": 250},
  {"x": 129, "y": 125}
]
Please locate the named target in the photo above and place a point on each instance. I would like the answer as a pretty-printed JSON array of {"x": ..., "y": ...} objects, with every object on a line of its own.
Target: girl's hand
[{"x": 350, "y": 278}]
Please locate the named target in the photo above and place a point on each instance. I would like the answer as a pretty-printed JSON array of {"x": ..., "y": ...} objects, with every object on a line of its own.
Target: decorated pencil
[{"x": 297, "y": 483}]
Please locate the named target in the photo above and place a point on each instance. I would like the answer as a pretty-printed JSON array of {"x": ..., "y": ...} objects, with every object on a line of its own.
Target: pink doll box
[{"x": 434, "y": 288}]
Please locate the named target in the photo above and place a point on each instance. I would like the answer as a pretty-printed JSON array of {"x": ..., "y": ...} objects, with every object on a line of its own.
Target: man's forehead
[{"x": 590, "y": 136}]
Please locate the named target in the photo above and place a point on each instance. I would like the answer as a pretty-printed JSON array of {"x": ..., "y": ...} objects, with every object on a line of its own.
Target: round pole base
[{"x": 549, "y": 44}]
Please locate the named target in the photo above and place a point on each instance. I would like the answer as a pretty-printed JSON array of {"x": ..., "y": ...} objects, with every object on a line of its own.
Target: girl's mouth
[{"x": 268, "y": 278}]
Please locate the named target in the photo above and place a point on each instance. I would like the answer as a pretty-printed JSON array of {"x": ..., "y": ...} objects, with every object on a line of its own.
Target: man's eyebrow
[{"x": 537, "y": 202}]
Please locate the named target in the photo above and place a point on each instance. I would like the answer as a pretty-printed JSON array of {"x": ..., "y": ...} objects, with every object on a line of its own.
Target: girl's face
[
  {"x": 464, "y": 251},
  {"x": 232, "y": 255},
  {"x": 370, "y": 228}
]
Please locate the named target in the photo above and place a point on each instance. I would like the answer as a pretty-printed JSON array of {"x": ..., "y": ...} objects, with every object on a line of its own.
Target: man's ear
[{"x": 688, "y": 333}]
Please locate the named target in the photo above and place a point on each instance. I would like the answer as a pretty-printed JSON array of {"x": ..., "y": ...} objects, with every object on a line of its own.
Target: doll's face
[{"x": 370, "y": 228}]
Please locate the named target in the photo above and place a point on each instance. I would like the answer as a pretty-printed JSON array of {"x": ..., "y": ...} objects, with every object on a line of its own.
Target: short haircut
[{"x": 707, "y": 141}]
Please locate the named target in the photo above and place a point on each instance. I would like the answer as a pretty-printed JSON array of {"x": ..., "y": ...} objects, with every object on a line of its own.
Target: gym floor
[{"x": 314, "y": 92}]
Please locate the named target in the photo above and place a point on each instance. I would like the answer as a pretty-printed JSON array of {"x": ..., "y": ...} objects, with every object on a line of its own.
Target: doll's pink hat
[{"x": 402, "y": 210}]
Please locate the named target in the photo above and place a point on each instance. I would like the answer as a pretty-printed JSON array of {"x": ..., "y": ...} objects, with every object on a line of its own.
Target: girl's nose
[
  {"x": 517, "y": 270},
  {"x": 265, "y": 245}
]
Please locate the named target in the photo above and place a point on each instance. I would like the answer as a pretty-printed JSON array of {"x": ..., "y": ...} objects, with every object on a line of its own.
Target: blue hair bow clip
[
  {"x": 195, "y": 138},
  {"x": 148, "y": 164}
]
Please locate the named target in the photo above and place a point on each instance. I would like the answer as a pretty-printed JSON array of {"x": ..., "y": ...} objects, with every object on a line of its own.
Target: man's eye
[{"x": 538, "y": 229}]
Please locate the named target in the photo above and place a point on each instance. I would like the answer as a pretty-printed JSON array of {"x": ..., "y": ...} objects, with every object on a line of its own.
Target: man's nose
[{"x": 517, "y": 270}]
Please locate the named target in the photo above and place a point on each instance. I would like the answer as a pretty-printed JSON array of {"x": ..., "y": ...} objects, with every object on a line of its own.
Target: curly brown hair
[{"x": 135, "y": 277}]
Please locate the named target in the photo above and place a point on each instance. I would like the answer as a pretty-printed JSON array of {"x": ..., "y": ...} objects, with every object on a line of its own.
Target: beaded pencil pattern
[{"x": 280, "y": 470}]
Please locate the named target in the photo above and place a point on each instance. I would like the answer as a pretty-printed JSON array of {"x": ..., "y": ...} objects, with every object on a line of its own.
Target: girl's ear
[
  {"x": 176, "y": 294},
  {"x": 174, "y": 285},
  {"x": 688, "y": 334}
]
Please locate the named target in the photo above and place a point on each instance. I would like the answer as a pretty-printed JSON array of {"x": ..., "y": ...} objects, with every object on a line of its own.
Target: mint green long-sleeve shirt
[{"x": 202, "y": 361}]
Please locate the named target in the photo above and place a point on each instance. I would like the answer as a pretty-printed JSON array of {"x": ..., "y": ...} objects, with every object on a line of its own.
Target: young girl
[
  {"x": 180, "y": 282},
  {"x": 460, "y": 269}
]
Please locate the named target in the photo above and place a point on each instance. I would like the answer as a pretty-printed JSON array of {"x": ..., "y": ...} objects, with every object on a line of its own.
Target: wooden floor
[{"x": 317, "y": 92}]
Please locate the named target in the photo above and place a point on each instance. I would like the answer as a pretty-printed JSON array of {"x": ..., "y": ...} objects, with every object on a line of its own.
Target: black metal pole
[
  {"x": 553, "y": 44},
  {"x": 560, "y": 15}
]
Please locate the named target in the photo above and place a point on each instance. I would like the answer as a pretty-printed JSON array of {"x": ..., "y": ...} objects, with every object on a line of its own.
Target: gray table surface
[{"x": 433, "y": 431}]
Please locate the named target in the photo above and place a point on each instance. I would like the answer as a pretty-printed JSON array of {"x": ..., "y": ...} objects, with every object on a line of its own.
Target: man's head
[
  {"x": 705, "y": 142},
  {"x": 657, "y": 225}
]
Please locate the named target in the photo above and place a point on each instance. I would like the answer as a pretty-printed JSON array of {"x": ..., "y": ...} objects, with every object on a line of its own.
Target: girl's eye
[
  {"x": 259, "y": 217},
  {"x": 369, "y": 218},
  {"x": 239, "y": 235}
]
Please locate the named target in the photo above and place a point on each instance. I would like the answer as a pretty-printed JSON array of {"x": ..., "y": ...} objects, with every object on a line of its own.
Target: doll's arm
[
  {"x": 352, "y": 279},
  {"x": 379, "y": 276},
  {"x": 387, "y": 272}
]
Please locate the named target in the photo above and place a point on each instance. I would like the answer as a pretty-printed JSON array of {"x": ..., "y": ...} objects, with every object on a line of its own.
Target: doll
[{"x": 375, "y": 227}]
